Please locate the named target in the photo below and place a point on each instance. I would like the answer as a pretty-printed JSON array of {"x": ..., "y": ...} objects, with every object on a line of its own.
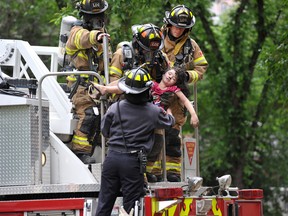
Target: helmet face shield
[
  {"x": 148, "y": 36},
  {"x": 94, "y": 22},
  {"x": 180, "y": 16}
]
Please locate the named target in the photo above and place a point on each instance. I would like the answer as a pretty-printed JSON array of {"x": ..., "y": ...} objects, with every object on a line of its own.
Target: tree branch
[
  {"x": 209, "y": 33},
  {"x": 262, "y": 35}
]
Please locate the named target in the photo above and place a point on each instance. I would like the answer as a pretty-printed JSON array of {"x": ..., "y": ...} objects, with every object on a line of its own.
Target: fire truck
[{"x": 40, "y": 175}]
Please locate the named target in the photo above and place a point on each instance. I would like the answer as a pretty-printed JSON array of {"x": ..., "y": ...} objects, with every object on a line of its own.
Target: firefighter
[
  {"x": 185, "y": 52},
  {"x": 130, "y": 139},
  {"x": 85, "y": 51},
  {"x": 144, "y": 50}
]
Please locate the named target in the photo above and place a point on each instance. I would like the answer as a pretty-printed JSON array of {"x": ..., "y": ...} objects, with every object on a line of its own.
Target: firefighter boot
[
  {"x": 159, "y": 178},
  {"x": 172, "y": 177},
  {"x": 151, "y": 177},
  {"x": 86, "y": 159}
]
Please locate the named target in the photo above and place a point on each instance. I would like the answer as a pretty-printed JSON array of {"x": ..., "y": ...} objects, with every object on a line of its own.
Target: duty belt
[{"x": 121, "y": 149}]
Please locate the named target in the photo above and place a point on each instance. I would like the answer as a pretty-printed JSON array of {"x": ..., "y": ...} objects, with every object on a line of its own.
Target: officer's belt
[{"x": 122, "y": 149}]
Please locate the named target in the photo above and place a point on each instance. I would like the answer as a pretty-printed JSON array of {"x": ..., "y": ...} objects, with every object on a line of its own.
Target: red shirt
[{"x": 157, "y": 92}]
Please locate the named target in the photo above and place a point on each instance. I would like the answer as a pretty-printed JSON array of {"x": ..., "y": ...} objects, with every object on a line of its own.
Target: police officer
[
  {"x": 85, "y": 51},
  {"x": 130, "y": 139},
  {"x": 185, "y": 52}
]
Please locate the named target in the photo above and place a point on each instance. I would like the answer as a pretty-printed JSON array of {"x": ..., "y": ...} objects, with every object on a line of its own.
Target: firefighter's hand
[
  {"x": 101, "y": 35},
  {"x": 124, "y": 213},
  {"x": 167, "y": 98}
]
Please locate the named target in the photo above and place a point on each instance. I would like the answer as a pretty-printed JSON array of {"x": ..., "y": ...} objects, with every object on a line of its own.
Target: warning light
[
  {"x": 168, "y": 193},
  {"x": 224, "y": 182},
  {"x": 251, "y": 194},
  {"x": 194, "y": 183}
]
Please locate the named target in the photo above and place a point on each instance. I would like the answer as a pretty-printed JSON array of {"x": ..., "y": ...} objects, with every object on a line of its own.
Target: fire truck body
[{"x": 40, "y": 175}]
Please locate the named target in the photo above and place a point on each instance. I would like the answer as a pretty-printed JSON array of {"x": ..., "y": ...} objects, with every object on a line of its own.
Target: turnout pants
[
  {"x": 88, "y": 123},
  {"x": 173, "y": 143}
]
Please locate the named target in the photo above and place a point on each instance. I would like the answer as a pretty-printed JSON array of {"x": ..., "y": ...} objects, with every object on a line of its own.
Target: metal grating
[{"x": 19, "y": 144}]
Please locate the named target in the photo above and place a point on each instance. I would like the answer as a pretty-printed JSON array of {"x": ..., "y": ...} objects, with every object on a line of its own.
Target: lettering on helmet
[{"x": 96, "y": 5}]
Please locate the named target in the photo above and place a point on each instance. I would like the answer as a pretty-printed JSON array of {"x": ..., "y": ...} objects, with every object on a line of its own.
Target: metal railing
[{"x": 40, "y": 138}]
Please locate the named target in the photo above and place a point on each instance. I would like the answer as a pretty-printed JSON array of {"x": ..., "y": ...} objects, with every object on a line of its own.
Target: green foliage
[{"x": 29, "y": 20}]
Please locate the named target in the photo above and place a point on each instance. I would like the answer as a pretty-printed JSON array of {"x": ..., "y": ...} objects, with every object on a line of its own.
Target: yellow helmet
[
  {"x": 180, "y": 16},
  {"x": 135, "y": 81}
]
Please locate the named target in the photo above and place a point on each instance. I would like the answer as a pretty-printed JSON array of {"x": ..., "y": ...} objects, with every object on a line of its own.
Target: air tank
[{"x": 66, "y": 25}]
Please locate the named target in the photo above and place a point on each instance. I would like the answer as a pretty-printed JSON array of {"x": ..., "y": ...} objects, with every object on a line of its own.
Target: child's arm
[
  {"x": 194, "y": 121},
  {"x": 113, "y": 89}
]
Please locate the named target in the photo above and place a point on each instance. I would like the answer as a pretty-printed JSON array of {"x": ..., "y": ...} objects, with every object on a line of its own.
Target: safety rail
[
  {"x": 22, "y": 56},
  {"x": 93, "y": 73}
]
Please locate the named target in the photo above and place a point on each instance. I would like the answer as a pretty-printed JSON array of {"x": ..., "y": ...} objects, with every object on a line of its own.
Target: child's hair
[{"x": 182, "y": 80}]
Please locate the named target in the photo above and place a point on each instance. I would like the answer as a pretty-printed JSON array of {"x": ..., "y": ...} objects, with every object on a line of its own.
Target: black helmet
[
  {"x": 135, "y": 81},
  {"x": 93, "y": 6},
  {"x": 148, "y": 36},
  {"x": 180, "y": 16}
]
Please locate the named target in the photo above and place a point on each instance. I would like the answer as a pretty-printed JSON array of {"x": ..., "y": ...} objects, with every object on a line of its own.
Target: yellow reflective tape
[
  {"x": 78, "y": 39},
  {"x": 149, "y": 169},
  {"x": 115, "y": 71},
  {"x": 83, "y": 55},
  {"x": 84, "y": 75},
  {"x": 200, "y": 61},
  {"x": 195, "y": 76},
  {"x": 173, "y": 166},
  {"x": 157, "y": 164},
  {"x": 80, "y": 140},
  {"x": 70, "y": 51},
  {"x": 92, "y": 37},
  {"x": 71, "y": 78}
]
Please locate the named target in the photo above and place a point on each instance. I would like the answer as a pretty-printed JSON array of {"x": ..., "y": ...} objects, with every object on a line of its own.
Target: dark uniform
[{"x": 129, "y": 124}]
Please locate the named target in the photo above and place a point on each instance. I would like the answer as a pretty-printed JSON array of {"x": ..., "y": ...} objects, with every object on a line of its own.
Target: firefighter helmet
[
  {"x": 93, "y": 6},
  {"x": 148, "y": 36},
  {"x": 180, "y": 16},
  {"x": 135, "y": 81}
]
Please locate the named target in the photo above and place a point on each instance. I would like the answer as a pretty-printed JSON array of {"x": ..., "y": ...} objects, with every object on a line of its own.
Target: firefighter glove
[{"x": 167, "y": 98}]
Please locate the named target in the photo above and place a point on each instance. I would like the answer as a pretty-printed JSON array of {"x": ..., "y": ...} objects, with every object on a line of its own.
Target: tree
[{"x": 246, "y": 97}]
